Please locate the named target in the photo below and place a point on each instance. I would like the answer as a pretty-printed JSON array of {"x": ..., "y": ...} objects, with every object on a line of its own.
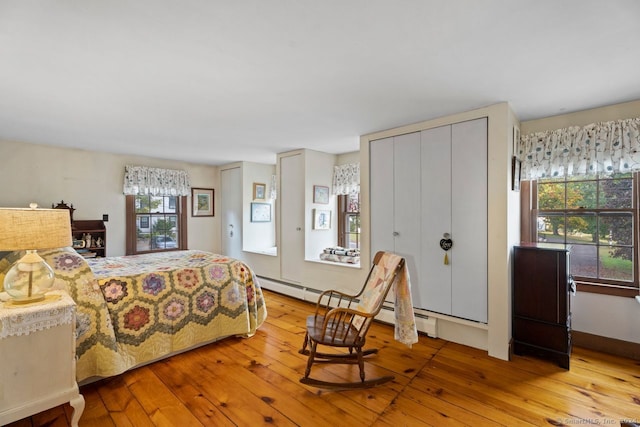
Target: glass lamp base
[
  {"x": 28, "y": 300},
  {"x": 29, "y": 279}
]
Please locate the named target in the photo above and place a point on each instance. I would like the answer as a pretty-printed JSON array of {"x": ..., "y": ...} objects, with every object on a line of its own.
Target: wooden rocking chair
[{"x": 343, "y": 320}]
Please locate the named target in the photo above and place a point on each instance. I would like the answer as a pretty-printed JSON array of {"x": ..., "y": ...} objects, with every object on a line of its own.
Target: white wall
[
  {"x": 257, "y": 236},
  {"x": 602, "y": 315},
  {"x": 92, "y": 182},
  {"x": 319, "y": 171},
  {"x": 346, "y": 158},
  {"x": 262, "y": 264}
]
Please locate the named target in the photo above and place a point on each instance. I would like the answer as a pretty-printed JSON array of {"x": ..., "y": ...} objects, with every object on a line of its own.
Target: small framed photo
[
  {"x": 515, "y": 173},
  {"x": 260, "y": 212},
  {"x": 320, "y": 194},
  {"x": 202, "y": 201},
  {"x": 321, "y": 219},
  {"x": 259, "y": 191}
]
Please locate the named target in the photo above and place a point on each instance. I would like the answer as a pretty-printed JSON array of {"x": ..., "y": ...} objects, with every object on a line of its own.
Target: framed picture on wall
[
  {"x": 260, "y": 212},
  {"x": 320, "y": 194},
  {"x": 321, "y": 219},
  {"x": 515, "y": 173},
  {"x": 201, "y": 201},
  {"x": 259, "y": 191}
]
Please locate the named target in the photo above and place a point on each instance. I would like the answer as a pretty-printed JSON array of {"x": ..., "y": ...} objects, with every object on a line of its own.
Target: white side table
[{"x": 37, "y": 359}]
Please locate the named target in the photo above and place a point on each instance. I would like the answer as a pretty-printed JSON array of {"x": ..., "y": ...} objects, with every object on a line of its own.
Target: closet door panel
[
  {"x": 292, "y": 217},
  {"x": 434, "y": 292},
  {"x": 381, "y": 179},
  {"x": 469, "y": 219},
  {"x": 406, "y": 202},
  {"x": 231, "y": 208}
]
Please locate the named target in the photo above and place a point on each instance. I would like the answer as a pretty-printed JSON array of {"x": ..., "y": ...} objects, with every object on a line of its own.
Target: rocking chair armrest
[
  {"x": 336, "y": 312},
  {"x": 331, "y": 294}
]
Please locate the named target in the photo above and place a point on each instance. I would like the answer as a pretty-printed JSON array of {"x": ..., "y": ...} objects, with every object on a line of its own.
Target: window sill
[
  {"x": 607, "y": 290},
  {"x": 273, "y": 251},
  {"x": 338, "y": 264}
]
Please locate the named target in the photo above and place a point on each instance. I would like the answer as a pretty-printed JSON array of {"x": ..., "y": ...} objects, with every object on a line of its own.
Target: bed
[{"x": 137, "y": 309}]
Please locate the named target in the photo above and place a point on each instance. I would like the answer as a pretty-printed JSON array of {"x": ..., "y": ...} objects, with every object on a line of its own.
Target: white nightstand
[{"x": 37, "y": 359}]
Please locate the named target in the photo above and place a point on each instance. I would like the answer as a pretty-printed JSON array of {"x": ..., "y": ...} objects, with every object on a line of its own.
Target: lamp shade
[{"x": 34, "y": 229}]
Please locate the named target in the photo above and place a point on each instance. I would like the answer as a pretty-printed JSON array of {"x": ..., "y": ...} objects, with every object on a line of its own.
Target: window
[
  {"x": 349, "y": 221},
  {"x": 598, "y": 217},
  {"x": 155, "y": 223}
]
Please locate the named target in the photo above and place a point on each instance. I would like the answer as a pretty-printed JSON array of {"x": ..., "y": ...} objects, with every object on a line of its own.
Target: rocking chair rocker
[{"x": 343, "y": 320}]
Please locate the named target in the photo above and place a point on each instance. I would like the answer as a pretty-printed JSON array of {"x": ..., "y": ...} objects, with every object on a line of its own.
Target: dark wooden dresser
[{"x": 542, "y": 302}]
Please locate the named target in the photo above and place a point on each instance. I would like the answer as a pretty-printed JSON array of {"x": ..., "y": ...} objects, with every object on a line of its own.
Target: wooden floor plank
[
  {"x": 192, "y": 397},
  {"x": 255, "y": 381},
  {"x": 547, "y": 390}
]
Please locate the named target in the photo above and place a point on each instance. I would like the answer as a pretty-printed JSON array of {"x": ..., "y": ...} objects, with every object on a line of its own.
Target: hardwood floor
[{"x": 254, "y": 381}]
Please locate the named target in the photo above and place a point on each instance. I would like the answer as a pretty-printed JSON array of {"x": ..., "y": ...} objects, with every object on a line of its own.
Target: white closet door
[
  {"x": 291, "y": 217},
  {"x": 231, "y": 209},
  {"x": 381, "y": 179},
  {"x": 406, "y": 202},
  {"x": 469, "y": 220},
  {"x": 434, "y": 292}
]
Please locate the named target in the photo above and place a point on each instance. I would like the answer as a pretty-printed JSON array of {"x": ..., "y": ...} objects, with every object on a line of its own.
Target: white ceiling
[{"x": 220, "y": 81}]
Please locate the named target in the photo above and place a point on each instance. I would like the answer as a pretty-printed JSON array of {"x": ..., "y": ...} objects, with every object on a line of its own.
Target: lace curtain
[
  {"x": 346, "y": 179},
  {"x": 606, "y": 147},
  {"x": 156, "y": 182}
]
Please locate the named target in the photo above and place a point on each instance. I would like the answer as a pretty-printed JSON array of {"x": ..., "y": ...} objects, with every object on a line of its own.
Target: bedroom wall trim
[{"x": 607, "y": 345}]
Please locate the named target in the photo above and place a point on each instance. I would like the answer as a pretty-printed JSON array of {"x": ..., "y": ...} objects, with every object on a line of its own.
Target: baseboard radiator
[{"x": 424, "y": 324}]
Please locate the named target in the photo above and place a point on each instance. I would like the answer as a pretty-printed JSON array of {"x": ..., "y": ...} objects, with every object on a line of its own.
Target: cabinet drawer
[{"x": 554, "y": 337}]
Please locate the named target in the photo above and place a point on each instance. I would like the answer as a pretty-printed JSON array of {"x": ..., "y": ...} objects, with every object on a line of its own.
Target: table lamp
[{"x": 32, "y": 229}]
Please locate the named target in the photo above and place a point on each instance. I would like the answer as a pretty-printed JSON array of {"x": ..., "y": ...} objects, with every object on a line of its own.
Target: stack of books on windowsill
[{"x": 86, "y": 253}]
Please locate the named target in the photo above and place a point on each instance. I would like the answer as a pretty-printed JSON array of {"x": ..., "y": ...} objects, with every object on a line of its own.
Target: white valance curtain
[
  {"x": 155, "y": 181},
  {"x": 346, "y": 179},
  {"x": 605, "y": 148}
]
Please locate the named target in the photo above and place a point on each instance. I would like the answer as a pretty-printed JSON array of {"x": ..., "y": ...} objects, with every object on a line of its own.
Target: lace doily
[{"x": 17, "y": 321}]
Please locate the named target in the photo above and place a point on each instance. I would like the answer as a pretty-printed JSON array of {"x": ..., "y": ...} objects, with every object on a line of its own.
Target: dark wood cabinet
[
  {"x": 92, "y": 234},
  {"x": 542, "y": 288}
]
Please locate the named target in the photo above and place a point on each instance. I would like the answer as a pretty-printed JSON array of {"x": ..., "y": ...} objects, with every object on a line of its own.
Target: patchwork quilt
[{"x": 136, "y": 309}]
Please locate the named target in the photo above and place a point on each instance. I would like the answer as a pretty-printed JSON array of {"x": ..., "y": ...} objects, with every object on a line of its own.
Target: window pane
[
  {"x": 551, "y": 195},
  {"x": 161, "y": 225},
  {"x": 616, "y": 263},
  {"x": 616, "y": 229},
  {"x": 616, "y": 193},
  {"x": 582, "y": 195},
  {"x": 352, "y": 231},
  {"x": 353, "y": 203},
  {"x": 582, "y": 229},
  {"x": 584, "y": 260},
  {"x": 353, "y": 223},
  {"x": 143, "y": 242},
  {"x": 156, "y": 204},
  {"x": 551, "y": 228},
  {"x": 353, "y": 241}
]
